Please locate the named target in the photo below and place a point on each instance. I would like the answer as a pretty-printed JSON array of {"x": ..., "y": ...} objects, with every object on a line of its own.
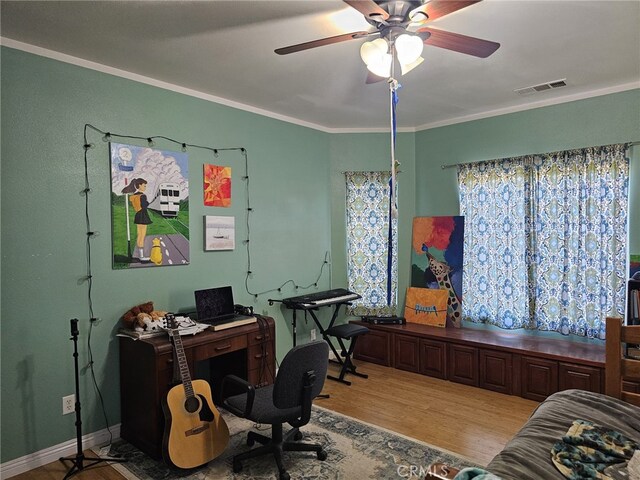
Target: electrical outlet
[
  {"x": 312, "y": 334},
  {"x": 68, "y": 404}
]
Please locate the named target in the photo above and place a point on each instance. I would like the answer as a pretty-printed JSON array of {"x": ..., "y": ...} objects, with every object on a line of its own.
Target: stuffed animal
[
  {"x": 130, "y": 318},
  {"x": 147, "y": 323}
]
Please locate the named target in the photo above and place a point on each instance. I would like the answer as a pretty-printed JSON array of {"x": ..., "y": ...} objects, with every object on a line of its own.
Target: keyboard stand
[{"x": 341, "y": 332}]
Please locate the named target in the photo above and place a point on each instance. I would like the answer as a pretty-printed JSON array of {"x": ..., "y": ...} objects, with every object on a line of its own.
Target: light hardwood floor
[{"x": 468, "y": 421}]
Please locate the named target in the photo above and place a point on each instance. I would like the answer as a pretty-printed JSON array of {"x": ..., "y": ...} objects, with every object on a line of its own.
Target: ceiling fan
[{"x": 400, "y": 31}]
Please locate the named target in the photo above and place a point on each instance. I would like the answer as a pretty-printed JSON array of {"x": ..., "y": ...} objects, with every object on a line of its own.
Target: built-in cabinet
[{"x": 528, "y": 366}]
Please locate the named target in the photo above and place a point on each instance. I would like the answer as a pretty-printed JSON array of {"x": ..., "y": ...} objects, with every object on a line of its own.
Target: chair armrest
[
  {"x": 441, "y": 471},
  {"x": 248, "y": 389}
]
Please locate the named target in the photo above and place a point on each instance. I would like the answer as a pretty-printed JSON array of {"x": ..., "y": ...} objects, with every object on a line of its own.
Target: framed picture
[
  {"x": 217, "y": 185},
  {"x": 219, "y": 233},
  {"x": 149, "y": 206}
]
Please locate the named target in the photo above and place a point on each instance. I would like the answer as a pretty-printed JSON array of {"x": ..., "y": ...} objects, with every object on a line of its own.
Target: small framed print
[{"x": 219, "y": 233}]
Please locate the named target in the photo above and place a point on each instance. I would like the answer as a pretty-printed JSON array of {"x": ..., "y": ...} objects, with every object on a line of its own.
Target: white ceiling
[{"x": 225, "y": 50}]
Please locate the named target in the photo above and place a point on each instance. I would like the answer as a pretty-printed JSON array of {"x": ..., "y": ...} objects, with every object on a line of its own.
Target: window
[
  {"x": 545, "y": 240},
  {"x": 371, "y": 244}
]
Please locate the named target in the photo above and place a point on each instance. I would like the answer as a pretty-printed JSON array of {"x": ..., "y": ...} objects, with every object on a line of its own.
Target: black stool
[{"x": 348, "y": 331}]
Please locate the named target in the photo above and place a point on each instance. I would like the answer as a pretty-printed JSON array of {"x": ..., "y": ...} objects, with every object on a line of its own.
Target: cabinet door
[
  {"x": 495, "y": 371},
  {"x": 407, "y": 353},
  {"x": 374, "y": 347},
  {"x": 539, "y": 378},
  {"x": 463, "y": 364},
  {"x": 579, "y": 376},
  {"x": 433, "y": 358}
]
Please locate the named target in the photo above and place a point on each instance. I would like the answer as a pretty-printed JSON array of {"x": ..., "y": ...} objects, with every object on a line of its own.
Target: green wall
[
  {"x": 45, "y": 105},
  {"x": 297, "y": 193}
]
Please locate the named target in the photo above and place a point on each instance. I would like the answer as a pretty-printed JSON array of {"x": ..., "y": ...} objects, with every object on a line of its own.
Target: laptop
[{"x": 215, "y": 307}]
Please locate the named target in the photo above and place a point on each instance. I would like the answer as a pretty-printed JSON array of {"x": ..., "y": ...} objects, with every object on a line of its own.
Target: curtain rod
[{"x": 630, "y": 144}]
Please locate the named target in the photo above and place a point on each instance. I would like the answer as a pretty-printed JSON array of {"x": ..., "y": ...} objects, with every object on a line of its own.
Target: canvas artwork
[
  {"x": 149, "y": 206},
  {"x": 427, "y": 306},
  {"x": 217, "y": 186},
  {"x": 219, "y": 233},
  {"x": 436, "y": 259}
]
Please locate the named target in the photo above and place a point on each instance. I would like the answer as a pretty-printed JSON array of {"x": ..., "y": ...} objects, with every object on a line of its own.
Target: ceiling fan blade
[
  {"x": 321, "y": 42},
  {"x": 439, "y": 8},
  {"x": 368, "y": 8},
  {"x": 458, "y": 43}
]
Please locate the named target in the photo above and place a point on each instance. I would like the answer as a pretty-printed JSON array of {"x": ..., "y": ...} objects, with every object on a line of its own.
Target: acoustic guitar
[{"x": 194, "y": 432}]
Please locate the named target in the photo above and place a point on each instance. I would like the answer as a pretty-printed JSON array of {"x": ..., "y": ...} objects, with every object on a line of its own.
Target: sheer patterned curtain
[
  {"x": 580, "y": 200},
  {"x": 372, "y": 263},
  {"x": 494, "y": 203},
  {"x": 545, "y": 246}
]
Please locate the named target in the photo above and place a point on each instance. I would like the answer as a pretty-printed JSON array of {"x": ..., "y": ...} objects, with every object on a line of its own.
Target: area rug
[{"x": 355, "y": 451}]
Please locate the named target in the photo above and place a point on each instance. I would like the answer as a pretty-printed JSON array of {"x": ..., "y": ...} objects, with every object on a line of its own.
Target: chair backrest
[
  {"x": 287, "y": 389},
  {"x": 617, "y": 366}
]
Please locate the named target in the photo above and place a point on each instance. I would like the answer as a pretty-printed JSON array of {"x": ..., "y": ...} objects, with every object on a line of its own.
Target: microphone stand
[{"x": 78, "y": 461}]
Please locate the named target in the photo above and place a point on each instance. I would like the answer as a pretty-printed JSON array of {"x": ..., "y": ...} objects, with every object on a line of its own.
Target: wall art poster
[
  {"x": 219, "y": 233},
  {"x": 217, "y": 186},
  {"x": 149, "y": 206},
  {"x": 427, "y": 306},
  {"x": 436, "y": 259}
]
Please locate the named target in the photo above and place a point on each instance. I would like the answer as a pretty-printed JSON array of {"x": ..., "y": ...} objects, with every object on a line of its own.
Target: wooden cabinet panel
[
  {"x": 433, "y": 358},
  {"x": 374, "y": 347},
  {"x": 579, "y": 376},
  {"x": 495, "y": 369},
  {"x": 407, "y": 353},
  {"x": 539, "y": 378},
  {"x": 463, "y": 364}
]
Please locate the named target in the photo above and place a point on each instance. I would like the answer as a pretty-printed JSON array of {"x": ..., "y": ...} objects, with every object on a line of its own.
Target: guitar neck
[{"x": 185, "y": 376}]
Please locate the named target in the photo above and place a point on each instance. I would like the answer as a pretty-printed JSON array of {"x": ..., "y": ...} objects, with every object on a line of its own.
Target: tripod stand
[{"x": 78, "y": 461}]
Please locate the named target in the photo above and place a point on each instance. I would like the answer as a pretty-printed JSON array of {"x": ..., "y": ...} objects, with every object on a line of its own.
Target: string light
[{"x": 108, "y": 136}]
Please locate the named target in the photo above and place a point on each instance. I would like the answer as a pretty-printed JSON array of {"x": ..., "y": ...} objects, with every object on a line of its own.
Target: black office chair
[{"x": 299, "y": 380}]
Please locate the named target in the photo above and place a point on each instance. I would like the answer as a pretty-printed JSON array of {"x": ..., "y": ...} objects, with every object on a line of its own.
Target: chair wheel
[
  {"x": 322, "y": 455},
  {"x": 297, "y": 436},
  {"x": 284, "y": 476}
]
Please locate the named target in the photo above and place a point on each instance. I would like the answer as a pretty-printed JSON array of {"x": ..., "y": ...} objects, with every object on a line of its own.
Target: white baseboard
[{"x": 51, "y": 454}]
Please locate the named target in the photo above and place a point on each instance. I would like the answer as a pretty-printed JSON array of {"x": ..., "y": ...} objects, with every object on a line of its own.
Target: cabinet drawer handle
[
  {"x": 224, "y": 347},
  {"x": 259, "y": 355}
]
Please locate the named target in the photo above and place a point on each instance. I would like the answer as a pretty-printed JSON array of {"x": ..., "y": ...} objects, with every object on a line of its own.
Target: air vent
[{"x": 541, "y": 87}]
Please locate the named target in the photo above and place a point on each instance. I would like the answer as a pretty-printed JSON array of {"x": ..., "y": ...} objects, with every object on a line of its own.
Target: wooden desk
[{"x": 147, "y": 373}]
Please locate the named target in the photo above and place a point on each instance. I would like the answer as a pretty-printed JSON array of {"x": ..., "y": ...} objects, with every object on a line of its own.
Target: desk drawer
[
  {"x": 257, "y": 337},
  {"x": 220, "y": 347},
  {"x": 257, "y": 352}
]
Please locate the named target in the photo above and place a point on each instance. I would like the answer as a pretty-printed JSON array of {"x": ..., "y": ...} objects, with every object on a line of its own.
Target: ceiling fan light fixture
[
  {"x": 381, "y": 66},
  {"x": 408, "y": 48},
  {"x": 371, "y": 51},
  {"x": 407, "y": 67},
  {"x": 376, "y": 56}
]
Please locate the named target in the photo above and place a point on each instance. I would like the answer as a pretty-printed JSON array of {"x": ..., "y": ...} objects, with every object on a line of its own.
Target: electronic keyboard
[{"x": 320, "y": 299}]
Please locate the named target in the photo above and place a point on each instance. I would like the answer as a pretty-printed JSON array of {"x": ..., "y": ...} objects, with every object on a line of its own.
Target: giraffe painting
[{"x": 441, "y": 271}]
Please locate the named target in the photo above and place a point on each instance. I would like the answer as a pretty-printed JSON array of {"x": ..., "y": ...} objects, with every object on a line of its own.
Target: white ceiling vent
[{"x": 541, "y": 87}]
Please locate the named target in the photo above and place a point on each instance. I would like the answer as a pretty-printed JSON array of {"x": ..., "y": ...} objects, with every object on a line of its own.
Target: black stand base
[{"x": 78, "y": 462}]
